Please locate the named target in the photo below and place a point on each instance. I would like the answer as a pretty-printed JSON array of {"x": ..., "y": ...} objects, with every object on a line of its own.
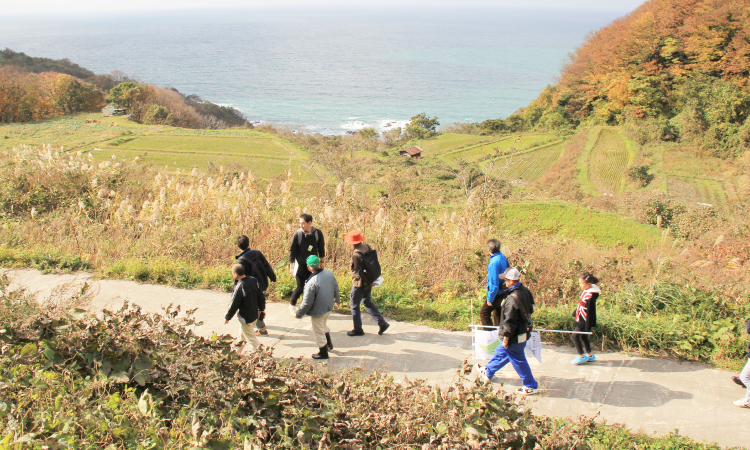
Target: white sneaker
[
  {"x": 482, "y": 373},
  {"x": 742, "y": 403},
  {"x": 526, "y": 391},
  {"x": 292, "y": 310}
]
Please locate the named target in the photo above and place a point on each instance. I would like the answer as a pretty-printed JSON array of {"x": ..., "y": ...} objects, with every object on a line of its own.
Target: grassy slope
[
  {"x": 266, "y": 155},
  {"x": 578, "y": 222},
  {"x": 696, "y": 178}
]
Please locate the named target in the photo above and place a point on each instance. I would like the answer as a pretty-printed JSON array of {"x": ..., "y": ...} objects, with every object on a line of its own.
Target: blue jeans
[
  {"x": 515, "y": 355},
  {"x": 364, "y": 295}
]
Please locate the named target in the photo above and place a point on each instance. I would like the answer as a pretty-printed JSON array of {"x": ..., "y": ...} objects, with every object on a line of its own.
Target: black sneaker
[
  {"x": 738, "y": 381},
  {"x": 383, "y": 328},
  {"x": 355, "y": 333}
]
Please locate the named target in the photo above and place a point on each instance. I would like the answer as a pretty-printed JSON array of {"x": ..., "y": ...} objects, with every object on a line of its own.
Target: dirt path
[{"x": 653, "y": 395}]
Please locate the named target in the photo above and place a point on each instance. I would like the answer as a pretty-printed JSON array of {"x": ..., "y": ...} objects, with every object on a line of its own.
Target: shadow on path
[{"x": 625, "y": 394}]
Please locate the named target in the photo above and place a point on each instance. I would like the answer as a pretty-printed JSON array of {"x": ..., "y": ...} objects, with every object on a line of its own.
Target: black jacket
[
  {"x": 515, "y": 313},
  {"x": 247, "y": 300},
  {"x": 251, "y": 257},
  {"x": 304, "y": 245}
]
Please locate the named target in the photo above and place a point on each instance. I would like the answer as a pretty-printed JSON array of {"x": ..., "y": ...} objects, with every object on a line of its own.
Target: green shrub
[
  {"x": 127, "y": 379},
  {"x": 670, "y": 319}
]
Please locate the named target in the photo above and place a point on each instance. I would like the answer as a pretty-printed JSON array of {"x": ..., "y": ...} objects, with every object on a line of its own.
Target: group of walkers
[
  {"x": 508, "y": 308},
  {"x": 316, "y": 286},
  {"x": 509, "y": 311}
]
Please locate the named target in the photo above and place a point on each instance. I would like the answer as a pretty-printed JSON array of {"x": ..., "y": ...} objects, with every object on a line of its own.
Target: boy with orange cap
[{"x": 362, "y": 284}]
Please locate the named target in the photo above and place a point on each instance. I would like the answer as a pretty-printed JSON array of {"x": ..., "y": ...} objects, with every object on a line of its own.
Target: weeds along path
[{"x": 653, "y": 395}]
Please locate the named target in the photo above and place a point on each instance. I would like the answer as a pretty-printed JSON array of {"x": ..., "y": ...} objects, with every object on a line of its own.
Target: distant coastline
[{"x": 326, "y": 71}]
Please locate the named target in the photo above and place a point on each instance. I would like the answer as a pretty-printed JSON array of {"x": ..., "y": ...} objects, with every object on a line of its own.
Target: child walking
[{"x": 585, "y": 316}]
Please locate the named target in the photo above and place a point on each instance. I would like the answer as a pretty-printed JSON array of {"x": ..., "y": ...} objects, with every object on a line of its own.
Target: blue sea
[{"x": 326, "y": 69}]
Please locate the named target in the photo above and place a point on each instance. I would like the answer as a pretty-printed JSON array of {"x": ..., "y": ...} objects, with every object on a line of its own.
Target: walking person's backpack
[
  {"x": 256, "y": 269},
  {"x": 370, "y": 266}
]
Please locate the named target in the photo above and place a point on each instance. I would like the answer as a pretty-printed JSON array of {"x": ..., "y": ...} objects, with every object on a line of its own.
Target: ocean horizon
[{"x": 326, "y": 69}]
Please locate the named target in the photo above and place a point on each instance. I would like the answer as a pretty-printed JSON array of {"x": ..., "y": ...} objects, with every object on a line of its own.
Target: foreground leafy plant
[{"x": 129, "y": 379}]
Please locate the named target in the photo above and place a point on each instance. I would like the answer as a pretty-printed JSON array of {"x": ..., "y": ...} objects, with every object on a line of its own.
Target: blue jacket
[{"x": 498, "y": 264}]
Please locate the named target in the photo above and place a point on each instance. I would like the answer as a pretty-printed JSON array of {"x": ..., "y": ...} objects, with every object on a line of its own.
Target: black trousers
[
  {"x": 581, "y": 340},
  {"x": 301, "y": 277},
  {"x": 490, "y": 315}
]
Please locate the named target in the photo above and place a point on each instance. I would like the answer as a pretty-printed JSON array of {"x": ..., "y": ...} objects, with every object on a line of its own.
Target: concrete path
[{"x": 652, "y": 395}]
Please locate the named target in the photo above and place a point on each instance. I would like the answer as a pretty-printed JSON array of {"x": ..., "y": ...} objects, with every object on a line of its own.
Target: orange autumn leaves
[
  {"x": 635, "y": 64},
  {"x": 28, "y": 96}
]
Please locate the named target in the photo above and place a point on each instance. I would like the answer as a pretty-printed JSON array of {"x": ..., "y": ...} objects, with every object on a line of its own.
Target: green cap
[{"x": 313, "y": 261}]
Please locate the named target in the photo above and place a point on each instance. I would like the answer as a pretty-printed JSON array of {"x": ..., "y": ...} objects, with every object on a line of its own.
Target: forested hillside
[
  {"x": 33, "y": 88},
  {"x": 674, "y": 69}
]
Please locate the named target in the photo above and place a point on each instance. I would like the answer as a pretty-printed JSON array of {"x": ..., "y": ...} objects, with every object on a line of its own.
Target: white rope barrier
[{"x": 535, "y": 329}]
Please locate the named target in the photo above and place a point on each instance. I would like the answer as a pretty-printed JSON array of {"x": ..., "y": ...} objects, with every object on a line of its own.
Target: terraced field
[
  {"x": 72, "y": 132},
  {"x": 608, "y": 161},
  {"x": 265, "y": 155},
  {"x": 505, "y": 144},
  {"x": 708, "y": 180},
  {"x": 590, "y": 225},
  {"x": 451, "y": 141},
  {"x": 529, "y": 166}
]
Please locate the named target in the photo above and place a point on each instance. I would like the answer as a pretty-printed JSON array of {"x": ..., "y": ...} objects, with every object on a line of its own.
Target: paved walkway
[{"x": 653, "y": 395}]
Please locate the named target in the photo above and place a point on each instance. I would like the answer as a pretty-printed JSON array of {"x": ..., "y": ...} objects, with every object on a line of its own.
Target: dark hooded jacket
[
  {"x": 254, "y": 258},
  {"x": 515, "y": 313}
]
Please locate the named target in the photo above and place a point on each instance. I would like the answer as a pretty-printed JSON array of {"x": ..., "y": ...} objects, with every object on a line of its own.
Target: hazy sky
[{"x": 76, "y": 6}]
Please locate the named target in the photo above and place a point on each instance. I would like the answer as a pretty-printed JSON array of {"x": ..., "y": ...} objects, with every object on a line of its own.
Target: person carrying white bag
[{"x": 515, "y": 328}]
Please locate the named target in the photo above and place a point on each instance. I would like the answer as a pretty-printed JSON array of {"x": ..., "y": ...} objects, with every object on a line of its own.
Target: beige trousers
[
  {"x": 247, "y": 334},
  {"x": 320, "y": 328}
]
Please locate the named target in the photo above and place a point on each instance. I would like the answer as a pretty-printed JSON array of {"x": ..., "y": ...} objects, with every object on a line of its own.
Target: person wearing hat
[
  {"x": 362, "y": 286},
  {"x": 318, "y": 299},
  {"x": 515, "y": 328}
]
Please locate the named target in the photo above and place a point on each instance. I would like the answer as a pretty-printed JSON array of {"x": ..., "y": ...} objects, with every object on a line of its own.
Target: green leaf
[
  {"x": 503, "y": 424},
  {"x": 29, "y": 348},
  {"x": 145, "y": 403},
  {"x": 119, "y": 377},
  {"x": 114, "y": 400},
  {"x": 50, "y": 354},
  {"x": 441, "y": 428},
  {"x": 140, "y": 379},
  {"x": 142, "y": 363}
]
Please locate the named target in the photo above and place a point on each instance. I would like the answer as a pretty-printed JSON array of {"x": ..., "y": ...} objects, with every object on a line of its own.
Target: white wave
[
  {"x": 390, "y": 124},
  {"x": 355, "y": 125}
]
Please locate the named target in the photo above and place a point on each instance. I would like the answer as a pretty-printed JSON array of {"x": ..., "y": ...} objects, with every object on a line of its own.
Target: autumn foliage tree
[
  {"x": 674, "y": 68},
  {"x": 26, "y": 96}
]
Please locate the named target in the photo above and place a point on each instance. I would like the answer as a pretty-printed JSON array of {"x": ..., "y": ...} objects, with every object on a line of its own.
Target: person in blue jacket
[{"x": 490, "y": 311}]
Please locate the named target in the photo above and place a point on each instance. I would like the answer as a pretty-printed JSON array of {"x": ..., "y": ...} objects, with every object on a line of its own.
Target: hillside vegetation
[
  {"x": 429, "y": 220},
  {"x": 127, "y": 379},
  {"x": 33, "y": 89},
  {"x": 671, "y": 70}
]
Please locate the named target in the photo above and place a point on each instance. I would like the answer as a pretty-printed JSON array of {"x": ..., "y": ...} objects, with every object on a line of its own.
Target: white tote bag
[{"x": 485, "y": 343}]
